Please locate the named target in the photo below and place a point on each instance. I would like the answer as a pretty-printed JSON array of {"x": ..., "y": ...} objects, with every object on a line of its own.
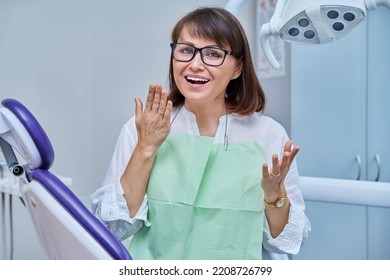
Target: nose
[{"x": 197, "y": 62}]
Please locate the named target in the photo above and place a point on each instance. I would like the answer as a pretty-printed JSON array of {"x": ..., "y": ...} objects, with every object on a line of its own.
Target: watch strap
[{"x": 278, "y": 203}]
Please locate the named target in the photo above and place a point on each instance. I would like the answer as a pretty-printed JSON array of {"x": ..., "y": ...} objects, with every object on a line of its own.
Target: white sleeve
[
  {"x": 108, "y": 202},
  {"x": 290, "y": 240}
]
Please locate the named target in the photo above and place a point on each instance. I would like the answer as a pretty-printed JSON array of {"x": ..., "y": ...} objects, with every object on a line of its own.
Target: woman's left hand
[{"x": 272, "y": 181}]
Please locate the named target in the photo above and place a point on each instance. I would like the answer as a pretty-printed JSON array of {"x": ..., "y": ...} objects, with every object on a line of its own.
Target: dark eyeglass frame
[{"x": 174, "y": 45}]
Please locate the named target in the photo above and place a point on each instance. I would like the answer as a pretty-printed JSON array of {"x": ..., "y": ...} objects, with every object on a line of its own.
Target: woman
[{"x": 201, "y": 173}]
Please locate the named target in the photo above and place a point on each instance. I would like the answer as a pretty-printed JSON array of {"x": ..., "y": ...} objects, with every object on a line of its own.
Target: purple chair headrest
[{"x": 35, "y": 130}]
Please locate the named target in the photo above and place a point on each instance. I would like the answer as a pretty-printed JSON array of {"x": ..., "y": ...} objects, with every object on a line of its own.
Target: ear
[{"x": 238, "y": 70}]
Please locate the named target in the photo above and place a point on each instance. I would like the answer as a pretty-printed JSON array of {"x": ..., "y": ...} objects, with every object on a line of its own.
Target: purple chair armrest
[{"x": 77, "y": 209}]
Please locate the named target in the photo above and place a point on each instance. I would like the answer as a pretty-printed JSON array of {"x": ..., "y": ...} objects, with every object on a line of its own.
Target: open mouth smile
[{"x": 196, "y": 80}]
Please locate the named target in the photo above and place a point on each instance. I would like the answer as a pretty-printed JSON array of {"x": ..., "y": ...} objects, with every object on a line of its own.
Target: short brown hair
[{"x": 244, "y": 94}]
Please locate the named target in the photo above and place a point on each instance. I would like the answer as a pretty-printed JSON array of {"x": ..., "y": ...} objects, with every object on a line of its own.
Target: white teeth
[{"x": 197, "y": 79}]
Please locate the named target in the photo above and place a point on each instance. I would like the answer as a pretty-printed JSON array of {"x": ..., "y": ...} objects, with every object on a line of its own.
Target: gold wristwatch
[{"x": 280, "y": 202}]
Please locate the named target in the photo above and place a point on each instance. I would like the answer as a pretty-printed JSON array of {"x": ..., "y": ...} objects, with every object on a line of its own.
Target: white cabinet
[
  {"x": 378, "y": 94},
  {"x": 338, "y": 232},
  {"x": 378, "y": 229},
  {"x": 350, "y": 219},
  {"x": 339, "y": 116},
  {"x": 346, "y": 232}
]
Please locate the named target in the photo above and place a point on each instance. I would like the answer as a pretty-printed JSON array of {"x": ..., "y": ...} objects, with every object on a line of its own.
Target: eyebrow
[{"x": 207, "y": 46}]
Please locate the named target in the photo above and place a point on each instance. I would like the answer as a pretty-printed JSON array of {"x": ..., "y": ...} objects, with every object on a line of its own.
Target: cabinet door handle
[
  {"x": 378, "y": 163},
  {"x": 359, "y": 163}
]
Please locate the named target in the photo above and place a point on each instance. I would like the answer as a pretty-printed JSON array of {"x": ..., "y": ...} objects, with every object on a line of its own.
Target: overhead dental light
[{"x": 310, "y": 21}]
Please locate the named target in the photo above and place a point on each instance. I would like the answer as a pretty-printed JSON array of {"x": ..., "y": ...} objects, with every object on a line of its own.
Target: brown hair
[{"x": 244, "y": 94}]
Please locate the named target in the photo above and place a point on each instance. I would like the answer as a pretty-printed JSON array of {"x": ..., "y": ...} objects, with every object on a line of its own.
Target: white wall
[{"x": 78, "y": 64}]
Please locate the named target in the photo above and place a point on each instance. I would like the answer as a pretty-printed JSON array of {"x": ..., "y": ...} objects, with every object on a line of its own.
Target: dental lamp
[{"x": 310, "y": 21}]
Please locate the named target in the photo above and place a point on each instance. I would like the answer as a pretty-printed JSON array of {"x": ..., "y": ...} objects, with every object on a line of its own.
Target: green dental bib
[{"x": 204, "y": 202}]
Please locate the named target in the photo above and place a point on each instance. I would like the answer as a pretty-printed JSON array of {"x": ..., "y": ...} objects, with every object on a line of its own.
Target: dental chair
[{"x": 64, "y": 225}]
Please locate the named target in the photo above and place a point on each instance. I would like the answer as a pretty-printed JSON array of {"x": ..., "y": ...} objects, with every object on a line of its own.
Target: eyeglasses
[{"x": 212, "y": 56}]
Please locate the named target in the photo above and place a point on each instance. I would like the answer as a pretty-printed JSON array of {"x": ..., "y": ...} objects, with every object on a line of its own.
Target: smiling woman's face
[{"x": 201, "y": 83}]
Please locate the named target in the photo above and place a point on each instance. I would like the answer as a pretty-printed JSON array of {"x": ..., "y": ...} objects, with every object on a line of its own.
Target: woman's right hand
[{"x": 153, "y": 123}]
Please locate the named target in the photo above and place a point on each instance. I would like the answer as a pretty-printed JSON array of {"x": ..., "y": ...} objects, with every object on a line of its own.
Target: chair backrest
[{"x": 65, "y": 226}]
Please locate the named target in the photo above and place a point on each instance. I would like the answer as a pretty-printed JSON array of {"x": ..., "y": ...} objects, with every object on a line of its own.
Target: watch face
[{"x": 280, "y": 202}]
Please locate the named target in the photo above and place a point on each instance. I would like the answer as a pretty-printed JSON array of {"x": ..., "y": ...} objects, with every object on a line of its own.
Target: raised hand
[
  {"x": 153, "y": 123},
  {"x": 273, "y": 180}
]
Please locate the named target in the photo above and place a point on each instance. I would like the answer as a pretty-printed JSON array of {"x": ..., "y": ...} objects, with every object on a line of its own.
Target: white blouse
[{"x": 109, "y": 204}]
